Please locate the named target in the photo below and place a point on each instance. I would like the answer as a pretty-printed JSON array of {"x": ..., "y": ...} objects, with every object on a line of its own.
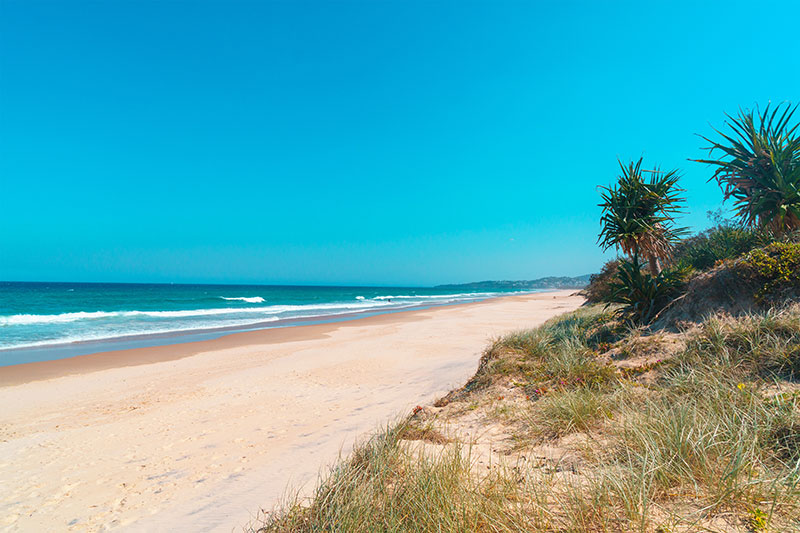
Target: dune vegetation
[{"x": 669, "y": 402}]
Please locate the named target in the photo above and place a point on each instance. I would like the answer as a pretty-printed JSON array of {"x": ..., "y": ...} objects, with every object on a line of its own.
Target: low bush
[
  {"x": 724, "y": 241},
  {"x": 775, "y": 267},
  {"x": 599, "y": 288}
]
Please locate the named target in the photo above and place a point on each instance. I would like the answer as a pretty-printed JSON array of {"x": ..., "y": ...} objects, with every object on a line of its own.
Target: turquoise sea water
[{"x": 41, "y": 316}]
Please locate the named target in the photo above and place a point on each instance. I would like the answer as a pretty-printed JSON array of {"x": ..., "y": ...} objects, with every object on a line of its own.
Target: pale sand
[{"x": 199, "y": 436}]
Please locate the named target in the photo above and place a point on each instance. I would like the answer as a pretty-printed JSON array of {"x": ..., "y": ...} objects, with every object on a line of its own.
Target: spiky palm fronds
[
  {"x": 759, "y": 167},
  {"x": 643, "y": 296},
  {"x": 639, "y": 213}
]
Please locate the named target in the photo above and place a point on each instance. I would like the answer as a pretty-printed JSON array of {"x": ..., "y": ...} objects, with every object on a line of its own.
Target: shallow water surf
[{"x": 39, "y": 316}]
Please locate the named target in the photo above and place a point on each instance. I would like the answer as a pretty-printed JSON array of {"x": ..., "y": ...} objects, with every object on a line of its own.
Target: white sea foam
[
  {"x": 72, "y": 338},
  {"x": 433, "y": 296},
  {"x": 248, "y": 299},
  {"x": 99, "y": 325},
  {"x": 18, "y": 320},
  {"x": 378, "y": 301}
]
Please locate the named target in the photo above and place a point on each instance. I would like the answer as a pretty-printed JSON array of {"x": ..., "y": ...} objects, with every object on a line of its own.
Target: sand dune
[{"x": 198, "y": 437}]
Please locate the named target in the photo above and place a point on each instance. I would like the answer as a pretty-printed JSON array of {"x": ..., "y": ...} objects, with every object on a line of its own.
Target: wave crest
[
  {"x": 21, "y": 320},
  {"x": 433, "y": 296},
  {"x": 248, "y": 299}
]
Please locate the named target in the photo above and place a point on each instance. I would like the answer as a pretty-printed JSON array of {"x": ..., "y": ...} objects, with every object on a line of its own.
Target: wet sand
[{"x": 199, "y": 436}]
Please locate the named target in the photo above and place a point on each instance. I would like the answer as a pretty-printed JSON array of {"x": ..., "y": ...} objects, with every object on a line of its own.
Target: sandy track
[{"x": 198, "y": 437}]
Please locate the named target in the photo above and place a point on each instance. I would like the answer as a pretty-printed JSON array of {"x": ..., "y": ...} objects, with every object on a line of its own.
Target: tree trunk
[{"x": 655, "y": 265}]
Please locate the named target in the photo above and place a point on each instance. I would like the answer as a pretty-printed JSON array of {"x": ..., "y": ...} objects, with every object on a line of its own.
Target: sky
[{"x": 367, "y": 143}]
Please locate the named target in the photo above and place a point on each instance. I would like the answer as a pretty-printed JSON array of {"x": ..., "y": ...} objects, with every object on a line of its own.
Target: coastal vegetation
[
  {"x": 759, "y": 167},
  {"x": 639, "y": 214},
  {"x": 669, "y": 402}
]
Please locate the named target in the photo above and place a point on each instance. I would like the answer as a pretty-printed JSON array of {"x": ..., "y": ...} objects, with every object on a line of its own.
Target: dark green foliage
[
  {"x": 638, "y": 213},
  {"x": 759, "y": 167},
  {"x": 725, "y": 241},
  {"x": 599, "y": 288},
  {"x": 643, "y": 296}
]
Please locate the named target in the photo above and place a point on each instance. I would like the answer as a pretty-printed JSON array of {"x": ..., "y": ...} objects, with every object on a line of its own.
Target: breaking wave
[{"x": 248, "y": 299}]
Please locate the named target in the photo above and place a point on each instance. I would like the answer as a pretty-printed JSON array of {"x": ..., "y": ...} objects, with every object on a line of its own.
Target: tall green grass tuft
[
  {"x": 560, "y": 354},
  {"x": 389, "y": 487},
  {"x": 718, "y": 446},
  {"x": 763, "y": 345},
  {"x": 562, "y": 412}
]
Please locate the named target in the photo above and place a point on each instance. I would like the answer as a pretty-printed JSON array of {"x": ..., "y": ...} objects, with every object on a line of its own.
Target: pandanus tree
[
  {"x": 639, "y": 214},
  {"x": 759, "y": 167}
]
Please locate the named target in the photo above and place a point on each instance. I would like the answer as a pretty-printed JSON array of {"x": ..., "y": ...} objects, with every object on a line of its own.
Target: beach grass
[{"x": 704, "y": 436}]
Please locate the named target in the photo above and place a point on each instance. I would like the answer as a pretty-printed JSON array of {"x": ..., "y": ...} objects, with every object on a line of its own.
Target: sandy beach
[{"x": 200, "y": 436}]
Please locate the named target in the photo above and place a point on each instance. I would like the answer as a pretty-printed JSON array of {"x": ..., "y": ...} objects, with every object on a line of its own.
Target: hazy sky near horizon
[{"x": 400, "y": 143}]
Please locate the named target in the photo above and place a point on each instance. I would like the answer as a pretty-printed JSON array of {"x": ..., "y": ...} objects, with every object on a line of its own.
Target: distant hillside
[{"x": 551, "y": 282}]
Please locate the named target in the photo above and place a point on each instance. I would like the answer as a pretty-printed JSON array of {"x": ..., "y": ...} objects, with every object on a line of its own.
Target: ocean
[{"x": 40, "y": 321}]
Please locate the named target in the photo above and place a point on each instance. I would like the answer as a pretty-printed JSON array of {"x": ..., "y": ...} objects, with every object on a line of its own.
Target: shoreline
[
  {"x": 220, "y": 338},
  {"x": 68, "y": 349},
  {"x": 202, "y": 436}
]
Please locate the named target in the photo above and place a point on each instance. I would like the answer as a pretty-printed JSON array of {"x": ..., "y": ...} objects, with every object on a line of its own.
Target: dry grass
[{"x": 710, "y": 441}]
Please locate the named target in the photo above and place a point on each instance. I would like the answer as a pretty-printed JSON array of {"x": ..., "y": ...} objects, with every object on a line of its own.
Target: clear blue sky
[{"x": 355, "y": 142}]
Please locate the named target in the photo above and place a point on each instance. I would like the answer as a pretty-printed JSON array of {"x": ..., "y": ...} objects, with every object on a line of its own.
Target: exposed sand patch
[{"x": 199, "y": 437}]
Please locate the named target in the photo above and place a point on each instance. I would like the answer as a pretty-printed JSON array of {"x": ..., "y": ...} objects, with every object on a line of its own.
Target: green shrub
[
  {"x": 776, "y": 267},
  {"x": 642, "y": 296},
  {"x": 724, "y": 241},
  {"x": 599, "y": 288}
]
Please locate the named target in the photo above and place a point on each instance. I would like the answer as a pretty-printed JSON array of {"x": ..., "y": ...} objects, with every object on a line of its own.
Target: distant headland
[{"x": 550, "y": 282}]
